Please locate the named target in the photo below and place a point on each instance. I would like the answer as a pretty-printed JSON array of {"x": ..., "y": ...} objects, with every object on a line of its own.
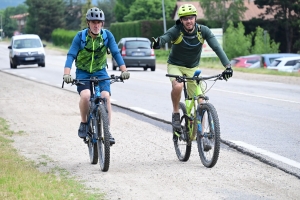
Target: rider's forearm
[
  {"x": 67, "y": 70},
  {"x": 123, "y": 68}
]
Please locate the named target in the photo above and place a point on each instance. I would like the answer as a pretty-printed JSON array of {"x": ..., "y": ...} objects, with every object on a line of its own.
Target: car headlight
[
  {"x": 16, "y": 53},
  {"x": 40, "y": 52}
]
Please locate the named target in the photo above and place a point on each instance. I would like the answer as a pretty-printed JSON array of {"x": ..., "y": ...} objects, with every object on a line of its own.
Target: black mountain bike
[
  {"x": 97, "y": 139},
  {"x": 199, "y": 121}
]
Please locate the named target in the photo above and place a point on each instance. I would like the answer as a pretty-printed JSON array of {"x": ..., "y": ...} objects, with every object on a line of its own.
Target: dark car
[{"x": 136, "y": 52}]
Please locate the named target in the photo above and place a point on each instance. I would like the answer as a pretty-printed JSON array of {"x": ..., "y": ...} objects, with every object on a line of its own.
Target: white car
[
  {"x": 286, "y": 64},
  {"x": 26, "y": 49}
]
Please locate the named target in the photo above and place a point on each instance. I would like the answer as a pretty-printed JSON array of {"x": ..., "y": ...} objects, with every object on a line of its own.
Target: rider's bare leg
[
  {"x": 105, "y": 94},
  {"x": 84, "y": 104},
  {"x": 176, "y": 95}
]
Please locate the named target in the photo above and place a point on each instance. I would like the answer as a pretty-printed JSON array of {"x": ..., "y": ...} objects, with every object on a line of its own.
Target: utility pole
[
  {"x": 164, "y": 18},
  {"x": 1, "y": 30}
]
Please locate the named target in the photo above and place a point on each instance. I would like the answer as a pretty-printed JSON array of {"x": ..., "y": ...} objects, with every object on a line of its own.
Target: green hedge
[{"x": 62, "y": 37}]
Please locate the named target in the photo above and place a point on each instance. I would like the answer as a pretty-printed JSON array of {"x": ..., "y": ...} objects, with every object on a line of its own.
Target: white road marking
[
  {"x": 240, "y": 93},
  {"x": 143, "y": 110},
  {"x": 268, "y": 153},
  {"x": 251, "y": 95}
]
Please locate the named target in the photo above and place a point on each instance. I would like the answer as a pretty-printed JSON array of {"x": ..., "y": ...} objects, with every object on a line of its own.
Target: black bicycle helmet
[{"x": 95, "y": 14}]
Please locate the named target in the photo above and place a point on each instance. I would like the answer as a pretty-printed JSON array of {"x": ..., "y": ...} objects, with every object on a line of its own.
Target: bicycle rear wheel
[
  {"x": 182, "y": 147},
  {"x": 103, "y": 143},
  {"x": 208, "y": 139},
  {"x": 92, "y": 141}
]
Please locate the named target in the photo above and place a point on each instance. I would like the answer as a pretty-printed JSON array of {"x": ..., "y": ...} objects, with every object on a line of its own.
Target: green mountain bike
[{"x": 199, "y": 122}]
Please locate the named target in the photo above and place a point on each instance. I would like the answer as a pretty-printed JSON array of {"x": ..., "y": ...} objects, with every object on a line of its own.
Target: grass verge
[{"x": 20, "y": 178}]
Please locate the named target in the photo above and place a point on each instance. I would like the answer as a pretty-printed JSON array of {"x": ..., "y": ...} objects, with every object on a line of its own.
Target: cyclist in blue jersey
[
  {"x": 187, "y": 38},
  {"x": 91, "y": 61}
]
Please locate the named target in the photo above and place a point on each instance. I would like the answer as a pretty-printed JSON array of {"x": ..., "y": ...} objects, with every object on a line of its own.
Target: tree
[
  {"x": 235, "y": 42},
  {"x": 149, "y": 10},
  {"x": 263, "y": 43},
  {"x": 84, "y": 9},
  {"x": 285, "y": 12},
  {"x": 108, "y": 6},
  {"x": 121, "y": 9},
  {"x": 44, "y": 16},
  {"x": 10, "y": 25},
  {"x": 73, "y": 14},
  {"x": 223, "y": 10}
]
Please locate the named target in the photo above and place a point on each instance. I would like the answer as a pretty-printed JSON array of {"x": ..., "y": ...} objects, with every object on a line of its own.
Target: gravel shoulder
[{"x": 143, "y": 161}]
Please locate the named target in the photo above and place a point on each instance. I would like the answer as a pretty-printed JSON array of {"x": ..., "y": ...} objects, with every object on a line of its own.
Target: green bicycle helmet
[
  {"x": 95, "y": 14},
  {"x": 186, "y": 10}
]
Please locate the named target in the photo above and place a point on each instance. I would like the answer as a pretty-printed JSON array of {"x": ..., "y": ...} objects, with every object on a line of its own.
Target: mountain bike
[
  {"x": 97, "y": 138},
  {"x": 199, "y": 122}
]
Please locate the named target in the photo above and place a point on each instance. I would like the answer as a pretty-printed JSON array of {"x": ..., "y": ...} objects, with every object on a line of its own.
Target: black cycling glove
[
  {"x": 227, "y": 72},
  {"x": 155, "y": 43}
]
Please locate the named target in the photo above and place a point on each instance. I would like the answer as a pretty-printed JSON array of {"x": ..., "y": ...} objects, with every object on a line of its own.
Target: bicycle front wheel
[
  {"x": 208, "y": 137},
  {"x": 182, "y": 147},
  {"x": 103, "y": 143},
  {"x": 92, "y": 141}
]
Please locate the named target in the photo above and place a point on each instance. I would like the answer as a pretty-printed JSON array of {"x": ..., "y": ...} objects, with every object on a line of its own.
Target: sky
[{"x": 13, "y": 3}]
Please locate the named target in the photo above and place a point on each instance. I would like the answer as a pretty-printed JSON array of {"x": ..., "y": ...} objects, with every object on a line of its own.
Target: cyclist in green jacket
[
  {"x": 90, "y": 62},
  {"x": 187, "y": 38}
]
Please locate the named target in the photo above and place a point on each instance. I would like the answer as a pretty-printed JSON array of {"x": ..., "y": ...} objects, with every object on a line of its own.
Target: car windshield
[
  {"x": 137, "y": 45},
  {"x": 27, "y": 43},
  {"x": 291, "y": 63},
  {"x": 275, "y": 63},
  {"x": 252, "y": 61}
]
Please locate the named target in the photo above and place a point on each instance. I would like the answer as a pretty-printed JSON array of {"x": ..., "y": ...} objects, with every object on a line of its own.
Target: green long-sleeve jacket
[{"x": 188, "y": 52}]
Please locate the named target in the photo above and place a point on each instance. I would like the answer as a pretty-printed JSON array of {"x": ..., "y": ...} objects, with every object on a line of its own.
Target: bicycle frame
[
  {"x": 95, "y": 100},
  {"x": 192, "y": 103}
]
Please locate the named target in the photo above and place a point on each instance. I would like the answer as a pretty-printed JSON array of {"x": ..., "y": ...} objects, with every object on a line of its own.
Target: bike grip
[{"x": 171, "y": 75}]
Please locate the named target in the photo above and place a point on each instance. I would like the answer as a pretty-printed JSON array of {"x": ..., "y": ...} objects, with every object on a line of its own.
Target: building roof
[
  {"x": 252, "y": 12},
  {"x": 20, "y": 16}
]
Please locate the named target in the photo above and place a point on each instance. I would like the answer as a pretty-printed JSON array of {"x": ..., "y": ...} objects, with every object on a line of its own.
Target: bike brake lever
[{"x": 179, "y": 79}]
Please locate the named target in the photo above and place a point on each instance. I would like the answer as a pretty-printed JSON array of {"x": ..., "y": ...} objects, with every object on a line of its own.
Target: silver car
[{"x": 136, "y": 52}]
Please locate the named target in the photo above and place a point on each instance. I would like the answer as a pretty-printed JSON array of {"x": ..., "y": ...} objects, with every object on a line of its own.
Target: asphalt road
[{"x": 259, "y": 117}]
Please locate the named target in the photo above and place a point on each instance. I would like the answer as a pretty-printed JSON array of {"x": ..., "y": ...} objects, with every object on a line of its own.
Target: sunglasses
[{"x": 188, "y": 18}]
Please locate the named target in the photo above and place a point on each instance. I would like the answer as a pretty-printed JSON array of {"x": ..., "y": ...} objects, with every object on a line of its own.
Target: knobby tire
[
  {"x": 182, "y": 148},
  {"x": 209, "y": 117},
  {"x": 103, "y": 138},
  {"x": 92, "y": 143}
]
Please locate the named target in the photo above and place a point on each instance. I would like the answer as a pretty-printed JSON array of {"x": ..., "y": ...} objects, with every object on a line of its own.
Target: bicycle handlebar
[
  {"x": 112, "y": 77},
  {"x": 194, "y": 78}
]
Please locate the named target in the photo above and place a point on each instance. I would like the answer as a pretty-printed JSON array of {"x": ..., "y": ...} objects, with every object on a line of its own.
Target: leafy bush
[
  {"x": 62, "y": 37},
  {"x": 236, "y": 43}
]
